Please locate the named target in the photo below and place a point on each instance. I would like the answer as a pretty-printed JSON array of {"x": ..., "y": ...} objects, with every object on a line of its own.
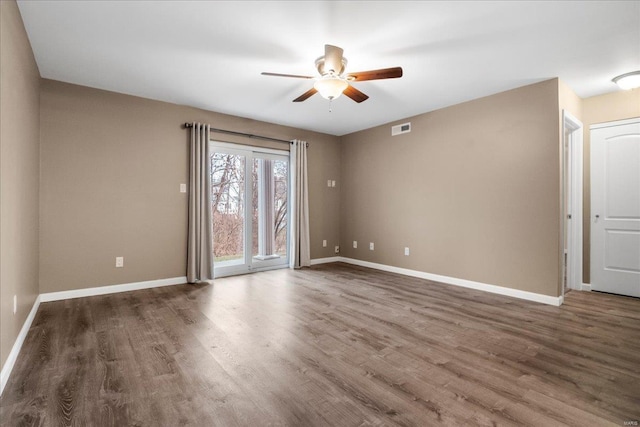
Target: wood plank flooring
[{"x": 332, "y": 345}]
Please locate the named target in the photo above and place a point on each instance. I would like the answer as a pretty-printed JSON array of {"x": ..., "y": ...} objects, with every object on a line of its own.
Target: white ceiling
[{"x": 210, "y": 54}]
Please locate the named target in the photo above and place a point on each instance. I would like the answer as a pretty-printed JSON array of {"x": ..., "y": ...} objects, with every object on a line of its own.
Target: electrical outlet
[
  {"x": 333, "y": 183},
  {"x": 183, "y": 188},
  {"x": 355, "y": 244},
  {"x": 324, "y": 243},
  {"x": 370, "y": 246},
  {"x": 337, "y": 249},
  {"x": 15, "y": 304},
  {"x": 119, "y": 261},
  {"x": 406, "y": 251}
]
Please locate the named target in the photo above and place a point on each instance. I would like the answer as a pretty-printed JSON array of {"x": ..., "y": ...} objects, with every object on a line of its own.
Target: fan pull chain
[{"x": 330, "y": 99}]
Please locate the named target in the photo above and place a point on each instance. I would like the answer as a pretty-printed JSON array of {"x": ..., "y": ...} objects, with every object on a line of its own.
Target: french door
[{"x": 250, "y": 208}]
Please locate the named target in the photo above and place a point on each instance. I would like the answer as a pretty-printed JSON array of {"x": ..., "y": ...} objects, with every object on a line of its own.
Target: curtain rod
[{"x": 248, "y": 135}]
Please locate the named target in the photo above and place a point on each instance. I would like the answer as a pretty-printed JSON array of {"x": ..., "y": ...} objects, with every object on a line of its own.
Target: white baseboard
[
  {"x": 586, "y": 287},
  {"x": 317, "y": 261},
  {"x": 111, "y": 289},
  {"x": 516, "y": 293},
  {"x": 17, "y": 345}
]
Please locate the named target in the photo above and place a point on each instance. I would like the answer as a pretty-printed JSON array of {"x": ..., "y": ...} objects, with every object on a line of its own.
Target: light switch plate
[{"x": 183, "y": 188}]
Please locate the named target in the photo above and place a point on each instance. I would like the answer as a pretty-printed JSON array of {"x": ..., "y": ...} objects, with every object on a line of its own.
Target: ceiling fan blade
[
  {"x": 355, "y": 94},
  {"x": 286, "y": 75},
  {"x": 332, "y": 59},
  {"x": 384, "y": 73},
  {"x": 306, "y": 95}
]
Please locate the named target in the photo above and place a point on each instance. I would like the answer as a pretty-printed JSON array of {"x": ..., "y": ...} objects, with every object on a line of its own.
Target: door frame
[
  {"x": 574, "y": 174},
  {"x": 246, "y": 266}
]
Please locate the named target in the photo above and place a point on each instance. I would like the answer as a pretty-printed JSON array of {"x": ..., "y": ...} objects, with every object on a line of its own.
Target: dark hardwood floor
[{"x": 333, "y": 345}]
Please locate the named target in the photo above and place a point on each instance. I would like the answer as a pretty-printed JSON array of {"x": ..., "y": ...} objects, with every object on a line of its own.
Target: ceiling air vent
[{"x": 399, "y": 129}]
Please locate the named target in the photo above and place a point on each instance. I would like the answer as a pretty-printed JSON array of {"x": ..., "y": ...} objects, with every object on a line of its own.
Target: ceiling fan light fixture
[
  {"x": 330, "y": 87},
  {"x": 332, "y": 82},
  {"x": 628, "y": 81}
]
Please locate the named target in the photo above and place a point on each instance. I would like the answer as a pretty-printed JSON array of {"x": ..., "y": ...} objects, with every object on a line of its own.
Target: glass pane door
[
  {"x": 228, "y": 208},
  {"x": 270, "y": 177},
  {"x": 250, "y": 216}
]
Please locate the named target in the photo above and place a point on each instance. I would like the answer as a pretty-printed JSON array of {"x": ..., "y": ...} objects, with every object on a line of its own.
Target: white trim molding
[
  {"x": 17, "y": 345},
  {"x": 110, "y": 289},
  {"x": 317, "y": 261},
  {"x": 501, "y": 290},
  {"x": 575, "y": 178},
  {"x": 614, "y": 123}
]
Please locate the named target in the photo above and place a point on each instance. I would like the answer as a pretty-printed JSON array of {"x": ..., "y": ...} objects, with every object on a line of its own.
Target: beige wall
[
  {"x": 473, "y": 191},
  {"x": 110, "y": 175},
  {"x": 19, "y": 161},
  {"x": 613, "y": 106},
  {"x": 568, "y": 100}
]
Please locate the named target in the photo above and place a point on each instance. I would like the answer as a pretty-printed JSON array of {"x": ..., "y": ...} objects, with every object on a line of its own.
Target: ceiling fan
[{"x": 333, "y": 82}]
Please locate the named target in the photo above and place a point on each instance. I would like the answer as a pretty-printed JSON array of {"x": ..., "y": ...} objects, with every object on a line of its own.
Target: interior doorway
[{"x": 572, "y": 165}]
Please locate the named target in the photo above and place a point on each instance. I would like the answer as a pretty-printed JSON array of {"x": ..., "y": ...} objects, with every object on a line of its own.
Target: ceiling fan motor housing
[{"x": 321, "y": 69}]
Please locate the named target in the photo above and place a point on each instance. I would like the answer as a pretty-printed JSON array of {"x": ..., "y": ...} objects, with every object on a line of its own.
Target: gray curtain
[
  {"x": 300, "y": 252},
  {"x": 200, "y": 243}
]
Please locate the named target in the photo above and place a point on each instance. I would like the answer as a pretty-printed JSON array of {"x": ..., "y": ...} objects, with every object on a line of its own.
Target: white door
[{"x": 615, "y": 207}]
